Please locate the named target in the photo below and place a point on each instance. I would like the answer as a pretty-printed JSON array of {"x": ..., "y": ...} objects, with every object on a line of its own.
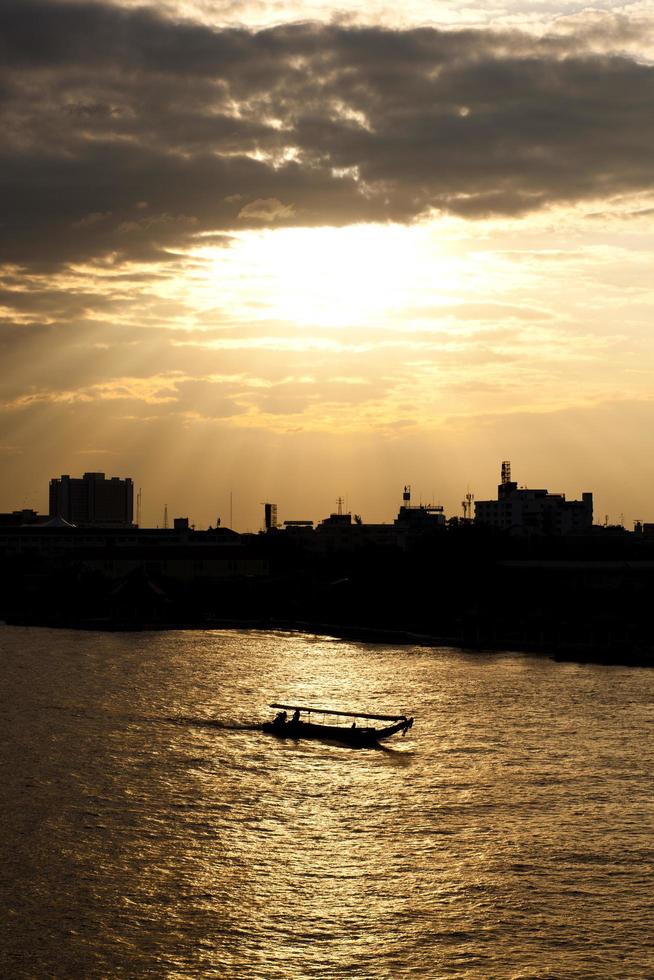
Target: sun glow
[{"x": 356, "y": 276}]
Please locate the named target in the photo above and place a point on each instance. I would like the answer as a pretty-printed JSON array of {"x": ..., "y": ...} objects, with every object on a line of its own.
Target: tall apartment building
[
  {"x": 520, "y": 509},
  {"x": 93, "y": 500}
]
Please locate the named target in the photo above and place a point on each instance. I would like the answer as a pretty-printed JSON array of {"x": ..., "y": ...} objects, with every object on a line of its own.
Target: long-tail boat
[{"x": 298, "y": 727}]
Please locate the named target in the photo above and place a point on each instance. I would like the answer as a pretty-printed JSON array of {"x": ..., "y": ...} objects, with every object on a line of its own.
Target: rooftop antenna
[
  {"x": 231, "y": 511},
  {"x": 406, "y": 495},
  {"x": 166, "y": 516},
  {"x": 506, "y": 471},
  {"x": 339, "y": 504}
]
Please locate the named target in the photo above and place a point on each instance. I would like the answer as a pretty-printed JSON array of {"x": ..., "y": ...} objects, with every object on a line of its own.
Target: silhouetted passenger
[
  {"x": 296, "y": 716},
  {"x": 280, "y": 719}
]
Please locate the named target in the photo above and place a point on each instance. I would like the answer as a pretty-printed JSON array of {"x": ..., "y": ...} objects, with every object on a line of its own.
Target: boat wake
[{"x": 230, "y": 726}]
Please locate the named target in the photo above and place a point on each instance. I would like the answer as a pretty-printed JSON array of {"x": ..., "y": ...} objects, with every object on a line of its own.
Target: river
[{"x": 150, "y": 830}]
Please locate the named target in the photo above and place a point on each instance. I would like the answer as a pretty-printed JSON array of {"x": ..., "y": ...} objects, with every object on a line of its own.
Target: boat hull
[{"x": 350, "y": 736}]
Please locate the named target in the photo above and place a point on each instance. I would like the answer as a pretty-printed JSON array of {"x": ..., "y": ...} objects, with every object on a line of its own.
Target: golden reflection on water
[{"x": 157, "y": 832}]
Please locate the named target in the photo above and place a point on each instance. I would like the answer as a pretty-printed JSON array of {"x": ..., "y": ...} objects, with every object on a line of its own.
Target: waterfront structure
[
  {"x": 92, "y": 500},
  {"x": 519, "y": 509},
  {"x": 178, "y": 554}
]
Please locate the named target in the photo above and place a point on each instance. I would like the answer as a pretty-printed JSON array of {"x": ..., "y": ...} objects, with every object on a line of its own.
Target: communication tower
[
  {"x": 165, "y": 522},
  {"x": 467, "y": 506},
  {"x": 506, "y": 471},
  {"x": 406, "y": 496}
]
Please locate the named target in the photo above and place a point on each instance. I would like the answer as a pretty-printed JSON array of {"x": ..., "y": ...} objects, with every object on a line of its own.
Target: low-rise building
[
  {"x": 18, "y": 518},
  {"x": 521, "y": 510},
  {"x": 180, "y": 554}
]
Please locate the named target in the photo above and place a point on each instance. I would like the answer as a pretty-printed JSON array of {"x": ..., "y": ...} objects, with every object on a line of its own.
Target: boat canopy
[{"x": 344, "y": 714}]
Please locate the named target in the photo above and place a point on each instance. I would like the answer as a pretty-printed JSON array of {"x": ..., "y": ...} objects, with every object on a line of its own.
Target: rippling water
[{"x": 149, "y": 830}]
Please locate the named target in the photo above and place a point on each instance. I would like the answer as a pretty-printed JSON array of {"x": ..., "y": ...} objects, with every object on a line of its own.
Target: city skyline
[
  {"x": 326, "y": 257},
  {"x": 96, "y": 498}
]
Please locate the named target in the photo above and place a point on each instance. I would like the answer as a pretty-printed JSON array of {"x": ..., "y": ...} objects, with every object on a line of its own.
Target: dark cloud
[{"x": 125, "y": 133}]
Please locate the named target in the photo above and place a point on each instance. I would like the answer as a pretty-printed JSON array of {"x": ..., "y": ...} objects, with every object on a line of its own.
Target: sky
[{"x": 293, "y": 252}]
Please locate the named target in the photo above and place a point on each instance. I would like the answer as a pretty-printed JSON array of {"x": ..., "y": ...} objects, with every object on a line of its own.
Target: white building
[{"x": 522, "y": 510}]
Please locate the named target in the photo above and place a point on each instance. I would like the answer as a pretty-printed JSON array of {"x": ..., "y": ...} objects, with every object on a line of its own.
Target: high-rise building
[
  {"x": 93, "y": 500},
  {"x": 270, "y": 517}
]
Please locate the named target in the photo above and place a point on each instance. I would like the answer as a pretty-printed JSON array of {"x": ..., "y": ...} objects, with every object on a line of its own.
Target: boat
[{"x": 354, "y": 734}]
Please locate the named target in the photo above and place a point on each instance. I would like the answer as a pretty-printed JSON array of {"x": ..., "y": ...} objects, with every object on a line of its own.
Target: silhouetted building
[
  {"x": 301, "y": 528},
  {"x": 520, "y": 509},
  {"x": 419, "y": 517},
  {"x": 18, "y": 518},
  {"x": 413, "y": 522},
  {"x": 270, "y": 516},
  {"x": 93, "y": 500}
]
